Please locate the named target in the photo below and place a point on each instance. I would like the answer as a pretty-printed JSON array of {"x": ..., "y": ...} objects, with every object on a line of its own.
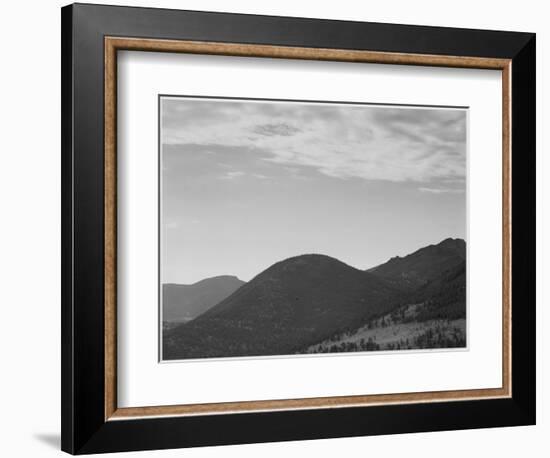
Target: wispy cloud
[
  {"x": 232, "y": 175},
  {"x": 442, "y": 190},
  {"x": 272, "y": 130},
  {"x": 341, "y": 141}
]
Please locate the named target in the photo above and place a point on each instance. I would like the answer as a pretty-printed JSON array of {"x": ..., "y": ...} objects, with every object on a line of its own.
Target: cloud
[
  {"x": 232, "y": 175},
  {"x": 442, "y": 190},
  {"x": 340, "y": 141},
  {"x": 281, "y": 129}
]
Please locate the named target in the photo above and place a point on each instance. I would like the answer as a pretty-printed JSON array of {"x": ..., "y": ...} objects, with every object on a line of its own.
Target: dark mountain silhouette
[
  {"x": 435, "y": 276},
  {"x": 291, "y": 305},
  {"x": 424, "y": 265},
  {"x": 185, "y": 302},
  {"x": 444, "y": 297}
]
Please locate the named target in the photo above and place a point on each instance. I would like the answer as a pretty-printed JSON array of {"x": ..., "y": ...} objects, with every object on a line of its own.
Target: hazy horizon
[
  {"x": 306, "y": 254},
  {"x": 246, "y": 184}
]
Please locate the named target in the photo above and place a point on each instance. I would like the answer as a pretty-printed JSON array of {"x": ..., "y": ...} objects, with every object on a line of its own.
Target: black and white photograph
[{"x": 294, "y": 227}]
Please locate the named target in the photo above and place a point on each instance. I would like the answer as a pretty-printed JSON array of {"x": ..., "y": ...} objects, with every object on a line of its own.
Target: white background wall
[{"x": 30, "y": 227}]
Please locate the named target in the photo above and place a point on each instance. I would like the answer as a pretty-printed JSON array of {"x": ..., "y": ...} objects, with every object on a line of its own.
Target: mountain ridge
[
  {"x": 308, "y": 298},
  {"x": 422, "y": 265}
]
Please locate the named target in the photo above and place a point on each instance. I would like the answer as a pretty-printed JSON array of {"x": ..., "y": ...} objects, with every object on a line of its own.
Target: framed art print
[
  {"x": 280, "y": 228},
  {"x": 265, "y": 189}
]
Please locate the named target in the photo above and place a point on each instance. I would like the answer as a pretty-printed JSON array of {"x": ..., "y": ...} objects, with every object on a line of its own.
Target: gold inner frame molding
[{"x": 114, "y": 44}]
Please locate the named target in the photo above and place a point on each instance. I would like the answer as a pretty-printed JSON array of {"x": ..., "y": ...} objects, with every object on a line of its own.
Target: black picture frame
[{"x": 84, "y": 427}]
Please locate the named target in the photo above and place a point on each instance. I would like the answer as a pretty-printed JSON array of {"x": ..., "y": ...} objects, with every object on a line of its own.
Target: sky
[{"x": 246, "y": 184}]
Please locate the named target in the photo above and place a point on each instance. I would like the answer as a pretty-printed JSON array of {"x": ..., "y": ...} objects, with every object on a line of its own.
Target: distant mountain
[
  {"x": 424, "y": 265},
  {"x": 185, "y": 302},
  {"x": 289, "y": 306}
]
